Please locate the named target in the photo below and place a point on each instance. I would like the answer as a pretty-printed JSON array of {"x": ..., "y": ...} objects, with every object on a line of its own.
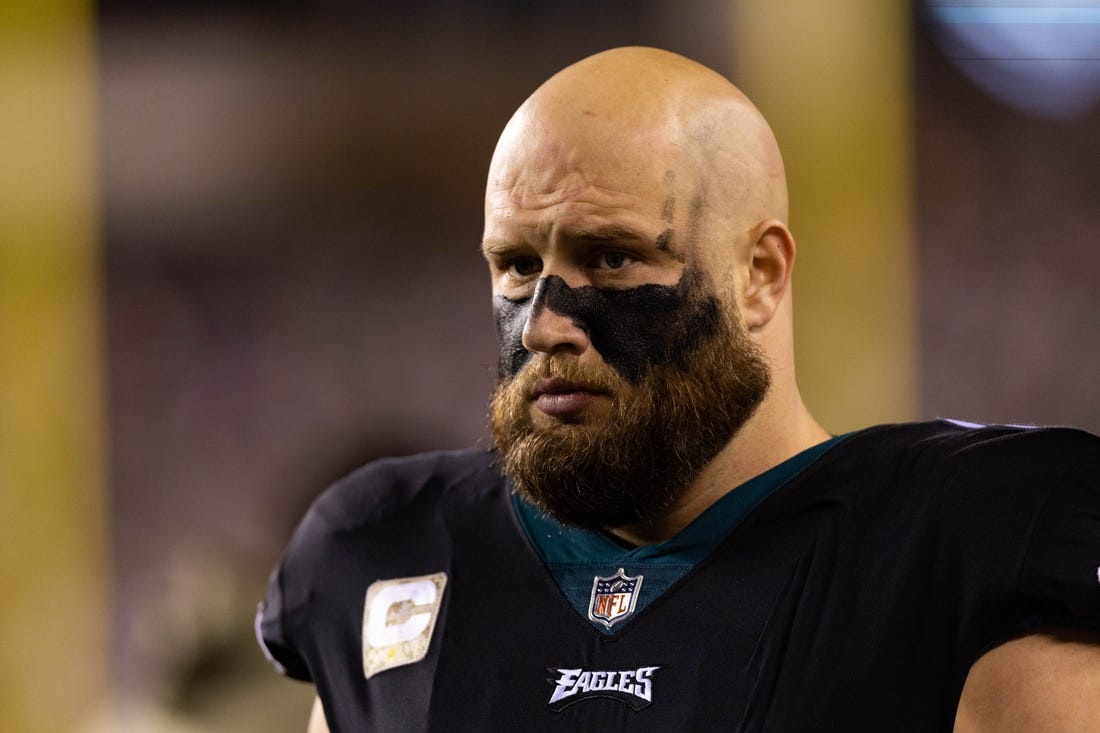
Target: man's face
[{"x": 621, "y": 371}]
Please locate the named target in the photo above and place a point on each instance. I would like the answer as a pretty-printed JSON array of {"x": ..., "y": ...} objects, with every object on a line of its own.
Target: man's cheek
[{"x": 511, "y": 316}]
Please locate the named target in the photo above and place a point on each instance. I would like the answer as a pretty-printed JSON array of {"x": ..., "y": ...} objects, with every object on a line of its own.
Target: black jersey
[{"x": 850, "y": 588}]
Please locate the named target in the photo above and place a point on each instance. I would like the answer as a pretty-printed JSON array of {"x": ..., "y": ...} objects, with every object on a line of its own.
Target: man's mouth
[{"x": 561, "y": 397}]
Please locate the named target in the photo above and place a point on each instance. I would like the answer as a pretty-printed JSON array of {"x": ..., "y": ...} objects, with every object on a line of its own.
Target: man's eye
[
  {"x": 611, "y": 260},
  {"x": 524, "y": 266}
]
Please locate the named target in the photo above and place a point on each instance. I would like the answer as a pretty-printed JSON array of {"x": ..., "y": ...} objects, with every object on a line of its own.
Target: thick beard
[{"x": 631, "y": 465}]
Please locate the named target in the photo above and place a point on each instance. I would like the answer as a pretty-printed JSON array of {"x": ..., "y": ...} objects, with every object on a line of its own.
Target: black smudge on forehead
[
  {"x": 664, "y": 244},
  {"x": 664, "y": 239},
  {"x": 668, "y": 209},
  {"x": 697, "y": 212},
  {"x": 633, "y": 329}
]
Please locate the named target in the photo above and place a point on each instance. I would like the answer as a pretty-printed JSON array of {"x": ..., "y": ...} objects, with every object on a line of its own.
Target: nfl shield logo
[{"x": 613, "y": 598}]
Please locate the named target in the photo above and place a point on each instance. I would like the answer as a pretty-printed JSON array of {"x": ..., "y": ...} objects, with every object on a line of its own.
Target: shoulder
[
  {"x": 384, "y": 489},
  {"x": 394, "y": 501},
  {"x": 976, "y": 488},
  {"x": 1018, "y": 445},
  {"x": 953, "y": 450},
  {"x": 946, "y": 438},
  {"x": 1019, "y": 506},
  {"x": 386, "y": 509}
]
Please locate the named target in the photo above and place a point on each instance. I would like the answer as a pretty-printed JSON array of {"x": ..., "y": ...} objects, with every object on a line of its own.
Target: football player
[{"x": 663, "y": 537}]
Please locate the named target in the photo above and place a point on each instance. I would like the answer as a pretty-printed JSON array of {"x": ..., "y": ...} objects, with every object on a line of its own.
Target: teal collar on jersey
[{"x": 576, "y": 556}]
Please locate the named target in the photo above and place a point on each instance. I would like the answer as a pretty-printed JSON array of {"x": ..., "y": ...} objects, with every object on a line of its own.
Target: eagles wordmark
[{"x": 631, "y": 686}]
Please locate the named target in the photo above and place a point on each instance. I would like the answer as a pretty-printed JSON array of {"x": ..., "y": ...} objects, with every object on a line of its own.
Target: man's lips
[{"x": 562, "y": 397}]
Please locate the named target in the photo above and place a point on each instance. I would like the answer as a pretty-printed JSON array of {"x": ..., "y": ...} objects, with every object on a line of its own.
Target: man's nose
[{"x": 549, "y": 332}]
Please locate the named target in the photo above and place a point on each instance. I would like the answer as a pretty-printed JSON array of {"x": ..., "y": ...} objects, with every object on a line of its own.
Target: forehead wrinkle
[
  {"x": 523, "y": 197},
  {"x": 598, "y": 210},
  {"x": 545, "y": 153}
]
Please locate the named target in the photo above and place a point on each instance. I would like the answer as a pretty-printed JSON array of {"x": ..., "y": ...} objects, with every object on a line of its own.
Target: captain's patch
[
  {"x": 631, "y": 686},
  {"x": 613, "y": 598},
  {"x": 398, "y": 619}
]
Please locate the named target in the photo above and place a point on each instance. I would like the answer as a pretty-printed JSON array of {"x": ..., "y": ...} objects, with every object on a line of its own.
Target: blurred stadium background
[{"x": 238, "y": 258}]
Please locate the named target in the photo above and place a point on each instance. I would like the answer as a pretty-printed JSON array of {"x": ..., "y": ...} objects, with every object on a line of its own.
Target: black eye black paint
[{"x": 632, "y": 329}]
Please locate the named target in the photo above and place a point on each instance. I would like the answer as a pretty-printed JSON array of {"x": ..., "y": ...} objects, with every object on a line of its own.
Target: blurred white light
[{"x": 1041, "y": 57}]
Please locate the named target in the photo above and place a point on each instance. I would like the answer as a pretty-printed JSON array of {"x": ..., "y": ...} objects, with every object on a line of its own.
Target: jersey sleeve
[
  {"x": 281, "y": 629},
  {"x": 1022, "y": 519},
  {"x": 271, "y": 637},
  {"x": 1059, "y": 578}
]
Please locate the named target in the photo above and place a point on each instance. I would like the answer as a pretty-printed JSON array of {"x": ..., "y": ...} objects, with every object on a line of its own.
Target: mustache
[{"x": 601, "y": 378}]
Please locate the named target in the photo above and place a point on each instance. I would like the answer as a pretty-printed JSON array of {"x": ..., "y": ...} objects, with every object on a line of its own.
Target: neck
[{"x": 780, "y": 428}]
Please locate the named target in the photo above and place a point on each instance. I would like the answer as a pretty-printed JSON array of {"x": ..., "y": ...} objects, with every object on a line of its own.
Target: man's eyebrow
[{"x": 495, "y": 246}]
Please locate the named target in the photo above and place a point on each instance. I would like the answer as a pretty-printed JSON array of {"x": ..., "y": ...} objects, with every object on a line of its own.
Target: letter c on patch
[{"x": 417, "y": 593}]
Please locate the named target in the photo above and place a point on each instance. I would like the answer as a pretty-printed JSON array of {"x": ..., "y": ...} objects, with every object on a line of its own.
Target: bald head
[{"x": 640, "y": 116}]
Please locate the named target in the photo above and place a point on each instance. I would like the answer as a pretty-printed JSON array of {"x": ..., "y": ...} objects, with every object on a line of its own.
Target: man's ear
[{"x": 770, "y": 266}]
